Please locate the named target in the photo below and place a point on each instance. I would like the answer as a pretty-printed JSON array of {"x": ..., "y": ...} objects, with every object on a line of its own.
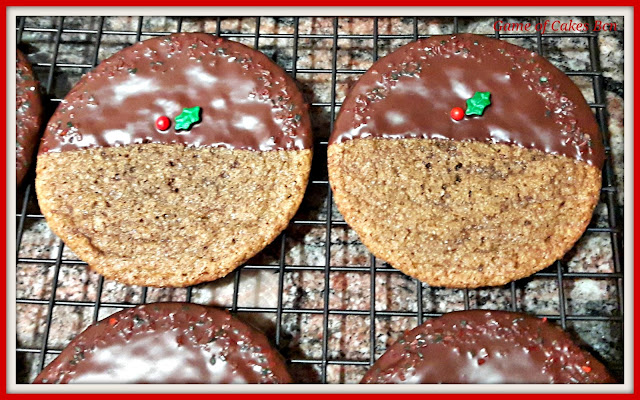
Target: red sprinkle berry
[
  {"x": 586, "y": 368},
  {"x": 163, "y": 123},
  {"x": 112, "y": 321},
  {"x": 457, "y": 113},
  {"x": 544, "y": 319}
]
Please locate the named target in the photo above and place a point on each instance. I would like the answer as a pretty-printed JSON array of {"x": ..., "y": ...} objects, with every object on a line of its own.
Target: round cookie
[
  {"x": 28, "y": 115},
  {"x": 479, "y": 201},
  {"x": 168, "y": 343},
  {"x": 486, "y": 347},
  {"x": 156, "y": 205}
]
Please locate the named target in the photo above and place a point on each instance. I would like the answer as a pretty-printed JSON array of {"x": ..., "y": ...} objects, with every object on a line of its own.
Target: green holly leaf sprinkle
[
  {"x": 187, "y": 118},
  {"x": 477, "y": 104}
]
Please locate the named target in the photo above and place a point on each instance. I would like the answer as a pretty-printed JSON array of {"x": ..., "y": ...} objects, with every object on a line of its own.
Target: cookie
[
  {"x": 461, "y": 200},
  {"x": 28, "y": 115},
  {"x": 175, "y": 161},
  {"x": 481, "y": 346},
  {"x": 168, "y": 343}
]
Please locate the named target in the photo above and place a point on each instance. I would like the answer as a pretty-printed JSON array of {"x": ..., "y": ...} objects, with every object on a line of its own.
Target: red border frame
[
  {"x": 68, "y": 3},
  {"x": 324, "y": 3}
]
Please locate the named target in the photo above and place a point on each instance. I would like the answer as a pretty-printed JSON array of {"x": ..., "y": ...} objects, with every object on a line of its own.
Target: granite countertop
[{"x": 306, "y": 241}]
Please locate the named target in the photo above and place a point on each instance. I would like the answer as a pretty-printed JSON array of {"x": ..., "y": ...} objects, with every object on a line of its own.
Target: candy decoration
[
  {"x": 477, "y": 104},
  {"x": 457, "y": 113},
  {"x": 187, "y": 118},
  {"x": 163, "y": 123},
  {"x": 586, "y": 368}
]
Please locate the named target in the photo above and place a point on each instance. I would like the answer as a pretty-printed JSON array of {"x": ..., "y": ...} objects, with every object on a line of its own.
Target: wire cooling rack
[{"x": 27, "y": 212}]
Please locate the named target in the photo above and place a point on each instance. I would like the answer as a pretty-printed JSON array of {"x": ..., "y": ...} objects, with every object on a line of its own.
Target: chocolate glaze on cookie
[
  {"x": 410, "y": 93},
  {"x": 168, "y": 343},
  {"x": 486, "y": 347},
  {"x": 247, "y": 101},
  {"x": 28, "y": 115}
]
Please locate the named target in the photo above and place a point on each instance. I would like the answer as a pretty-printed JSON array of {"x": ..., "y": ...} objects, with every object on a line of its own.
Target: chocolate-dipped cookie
[
  {"x": 175, "y": 160},
  {"x": 28, "y": 115},
  {"x": 466, "y": 161},
  {"x": 168, "y": 343},
  {"x": 481, "y": 346}
]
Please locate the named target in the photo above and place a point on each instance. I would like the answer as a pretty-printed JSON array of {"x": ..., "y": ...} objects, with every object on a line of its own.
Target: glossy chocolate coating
[
  {"x": 411, "y": 92},
  {"x": 168, "y": 343},
  {"x": 247, "y": 101},
  {"x": 28, "y": 115},
  {"x": 486, "y": 347}
]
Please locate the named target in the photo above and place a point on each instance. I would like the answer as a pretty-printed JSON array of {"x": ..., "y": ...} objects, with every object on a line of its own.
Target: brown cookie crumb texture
[
  {"x": 462, "y": 214},
  {"x": 168, "y": 343},
  {"x": 486, "y": 347},
  {"x": 28, "y": 115},
  {"x": 169, "y": 215}
]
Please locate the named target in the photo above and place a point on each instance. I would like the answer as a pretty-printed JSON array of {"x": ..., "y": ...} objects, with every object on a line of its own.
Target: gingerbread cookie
[
  {"x": 168, "y": 343},
  {"x": 466, "y": 161},
  {"x": 28, "y": 115},
  {"x": 175, "y": 161},
  {"x": 486, "y": 347}
]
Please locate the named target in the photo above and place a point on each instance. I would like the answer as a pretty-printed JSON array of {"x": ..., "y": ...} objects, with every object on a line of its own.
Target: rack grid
[{"x": 558, "y": 271}]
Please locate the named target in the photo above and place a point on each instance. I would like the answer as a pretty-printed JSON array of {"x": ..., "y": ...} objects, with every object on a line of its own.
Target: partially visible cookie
[
  {"x": 481, "y": 346},
  {"x": 168, "y": 343},
  {"x": 28, "y": 115},
  {"x": 468, "y": 198},
  {"x": 175, "y": 161}
]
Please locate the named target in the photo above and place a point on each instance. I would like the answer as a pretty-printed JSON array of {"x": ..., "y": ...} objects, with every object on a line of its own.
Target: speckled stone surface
[{"x": 310, "y": 242}]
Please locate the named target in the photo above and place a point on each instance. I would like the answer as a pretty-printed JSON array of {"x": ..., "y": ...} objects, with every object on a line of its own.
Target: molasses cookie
[
  {"x": 28, "y": 115},
  {"x": 486, "y": 347},
  {"x": 466, "y": 161},
  {"x": 175, "y": 160},
  {"x": 168, "y": 343}
]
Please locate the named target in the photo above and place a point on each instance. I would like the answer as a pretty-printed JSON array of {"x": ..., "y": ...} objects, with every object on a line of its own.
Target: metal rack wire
[{"x": 558, "y": 271}]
